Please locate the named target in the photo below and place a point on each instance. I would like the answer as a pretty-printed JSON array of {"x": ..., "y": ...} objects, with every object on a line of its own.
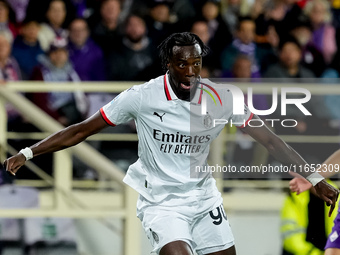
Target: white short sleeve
[
  {"x": 242, "y": 120},
  {"x": 123, "y": 108}
]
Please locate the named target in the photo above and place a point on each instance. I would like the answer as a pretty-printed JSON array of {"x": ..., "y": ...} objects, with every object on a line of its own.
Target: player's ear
[{"x": 168, "y": 65}]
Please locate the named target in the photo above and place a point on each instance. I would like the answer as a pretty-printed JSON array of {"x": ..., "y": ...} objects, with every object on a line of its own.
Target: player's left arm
[{"x": 287, "y": 155}]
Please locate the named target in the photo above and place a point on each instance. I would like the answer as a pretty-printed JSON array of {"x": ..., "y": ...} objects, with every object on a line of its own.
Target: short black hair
[
  {"x": 102, "y": 2},
  {"x": 302, "y": 23},
  {"x": 87, "y": 25},
  {"x": 242, "y": 19},
  {"x": 27, "y": 21},
  {"x": 179, "y": 39},
  {"x": 133, "y": 14},
  {"x": 289, "y": 39}
]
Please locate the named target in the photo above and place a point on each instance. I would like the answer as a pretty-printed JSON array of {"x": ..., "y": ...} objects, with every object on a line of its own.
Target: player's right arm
[
  {"x": 65, "y": 138},
  {"x": 299, "y": 184}
]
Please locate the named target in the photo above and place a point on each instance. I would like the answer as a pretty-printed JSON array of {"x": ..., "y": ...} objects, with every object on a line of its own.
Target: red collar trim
[
  {"x": 168, "y": 95},
  {"x": 166, "y": 89},
  {"x": 201, "y": 93}
]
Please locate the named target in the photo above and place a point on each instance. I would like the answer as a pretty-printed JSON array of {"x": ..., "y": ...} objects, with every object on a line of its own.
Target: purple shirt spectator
[
  {"x": 85, "y": 55},
  {"x": 88, "y": 61}
]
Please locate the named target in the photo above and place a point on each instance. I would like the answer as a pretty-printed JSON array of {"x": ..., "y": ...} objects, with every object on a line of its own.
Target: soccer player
[
  {"x": 299, "y": 185},
  {"x": 181, "y": 210}
]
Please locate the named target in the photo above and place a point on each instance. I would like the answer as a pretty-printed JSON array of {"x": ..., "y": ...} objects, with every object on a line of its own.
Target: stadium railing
[{"x": 65, "y": 200}]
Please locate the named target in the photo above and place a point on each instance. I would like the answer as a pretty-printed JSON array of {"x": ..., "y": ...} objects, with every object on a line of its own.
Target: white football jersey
[{"x": 174, "y": 136}]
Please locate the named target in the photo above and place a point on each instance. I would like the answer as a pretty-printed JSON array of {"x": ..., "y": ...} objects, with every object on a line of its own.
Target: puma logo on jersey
[{"x": 160, "y": 116}]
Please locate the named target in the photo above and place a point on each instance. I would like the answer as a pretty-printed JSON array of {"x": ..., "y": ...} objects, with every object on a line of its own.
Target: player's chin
[{"x": 189, "y": 91}]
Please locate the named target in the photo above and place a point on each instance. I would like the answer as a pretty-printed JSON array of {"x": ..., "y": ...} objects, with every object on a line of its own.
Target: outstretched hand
[
  {"x": 13, "y": 163},
  {"x": 327, "y": 193},
  {"x": 299, "y": 184},
  {"x": 323, "y": 190}
]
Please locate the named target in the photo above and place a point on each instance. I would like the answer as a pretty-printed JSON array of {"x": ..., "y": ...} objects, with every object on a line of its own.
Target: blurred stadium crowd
[{"x": 116, "y": 40}]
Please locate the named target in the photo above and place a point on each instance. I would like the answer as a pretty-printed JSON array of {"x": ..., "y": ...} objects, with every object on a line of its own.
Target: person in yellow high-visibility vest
[
  {"x": 327, "y": 169},
  {"x": 305, "y": 224}
]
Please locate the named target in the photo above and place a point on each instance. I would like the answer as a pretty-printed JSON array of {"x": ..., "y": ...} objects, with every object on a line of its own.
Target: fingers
[
  {"x": 327, "y": 200},
  {"x": 294, "y": 186},
  {"x": 330, "y": 199},
  {"x": 292, "y": 181},
  {"x": 13, "y": 164},
  {"x": 331, "y": 209},
  {"x": 12, "y": 173},
  {"x": 334, "y": 203},
  {"x": 8, "y": 167}
]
